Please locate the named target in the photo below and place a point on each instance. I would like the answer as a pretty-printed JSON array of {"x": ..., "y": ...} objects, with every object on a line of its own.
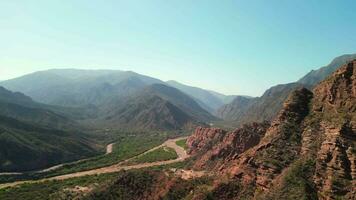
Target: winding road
[
  {"x": 109, "y": 149},
  {"x": 182, "y": 155}
]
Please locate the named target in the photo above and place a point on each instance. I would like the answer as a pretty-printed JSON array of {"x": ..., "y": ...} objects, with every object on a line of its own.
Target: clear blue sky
[{"x": 234, "y": 47}]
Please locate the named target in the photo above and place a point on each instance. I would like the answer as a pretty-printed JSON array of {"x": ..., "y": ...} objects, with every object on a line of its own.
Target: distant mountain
[
  {"x": 209, "y": 100},
  {"x": 243, "y": 110},
  {"x": 157, "y": 106},
  {"x": 270, "y": 103},
  {"x": 316, "y": 76},
  {"x": 33, "y": 137},
  {"x": 18, "y": 106},
  {"x": 73, "y": 87},
  {"x": 92, "y": 95},
  {"x": 235, "y": 109}
]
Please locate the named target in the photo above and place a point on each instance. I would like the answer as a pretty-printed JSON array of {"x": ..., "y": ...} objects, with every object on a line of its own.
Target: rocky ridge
[{"x": 308, "y": 152}]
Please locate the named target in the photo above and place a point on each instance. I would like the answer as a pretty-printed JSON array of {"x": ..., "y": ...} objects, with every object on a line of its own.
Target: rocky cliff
[
  {"x": 308, "y": 152},
  {"x": 215, "y": 147}
]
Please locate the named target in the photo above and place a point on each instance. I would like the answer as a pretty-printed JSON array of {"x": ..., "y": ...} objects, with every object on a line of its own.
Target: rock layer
[{"x": 307, "y": 153}]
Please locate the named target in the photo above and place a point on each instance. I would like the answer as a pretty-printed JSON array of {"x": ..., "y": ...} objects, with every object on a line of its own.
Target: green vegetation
[
  {"x": 128, "y": 145},
  {"x": 182, "y": 143},
  {"x": 128, "y": 185},
  {"x": 26, "y": 146},
  {"x": 123, "y": 149},
  {"x": 160, "y": 154},
  {"x": 186, "y": 189},
  {"x": 104, "y": 185},
  {"x": 297, "y": 183},
  {"x": 55, "y": 189},
  {"x": 144, "y": 184}
]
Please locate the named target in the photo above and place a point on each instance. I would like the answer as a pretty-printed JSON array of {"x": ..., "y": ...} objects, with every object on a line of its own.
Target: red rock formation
[
  {"x": 313, "y": 132},
  {"x": 203, "y": 138},
  {"x": 221, "y": 147},
  {"x": 335, "y": 104}
]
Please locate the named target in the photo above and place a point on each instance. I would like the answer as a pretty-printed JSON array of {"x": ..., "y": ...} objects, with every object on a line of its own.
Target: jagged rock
[
  {"x": 308, "y": 152},
  {"x": 227, "y": 145}
]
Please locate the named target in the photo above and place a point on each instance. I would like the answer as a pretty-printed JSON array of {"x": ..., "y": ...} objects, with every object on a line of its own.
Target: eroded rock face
[
  {"x": 278, "y": 149},
  {"x": 335, "y": 105},
  {"x": 203, "y": 139},
  {"x": 221, "y": 147},
  {"x": 309, "y": 151}
]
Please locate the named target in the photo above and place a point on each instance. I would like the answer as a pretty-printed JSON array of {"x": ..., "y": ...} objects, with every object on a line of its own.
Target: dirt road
[
  {"x": 109, "y": 149},
  {"x": 182, "y": 155}
]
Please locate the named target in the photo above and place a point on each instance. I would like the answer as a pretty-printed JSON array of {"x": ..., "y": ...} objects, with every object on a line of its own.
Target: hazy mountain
[
  {"x": 316, "y": 76},
  {"x": 157, "y": 106},
  {"x": 73, "y": 87},
  {"x": 92, "y": 95},
  {"x": 209, "y": 100},
  {"x": 259, "y": 109},
  {"x": 31, "y": 136},
  {"x": 91, "y": 89},
  {"x": 270, "y": 103},
  {"x": 18, "y": 106},
  {"x": 235, "y": 109}
]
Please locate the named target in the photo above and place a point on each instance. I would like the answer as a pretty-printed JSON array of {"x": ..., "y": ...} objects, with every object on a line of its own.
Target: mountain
[
  {"x": 158, "y": 106},
  {"x": 24, "y": 146},
  {"x": 33, "y": 137},
  {"x": 18, "y": 106},
  {"x": 236, "y": 109},
  {"x": 308, "y": 152},
  {"x": 74, "y": 87},
  {"x": 208, "y": 100},
  {"x": 270, "y": 103},
  {"x": 88, "y": 95},
  {"x": 316, "y": 76},
  {"x": 243, "y": 110}
]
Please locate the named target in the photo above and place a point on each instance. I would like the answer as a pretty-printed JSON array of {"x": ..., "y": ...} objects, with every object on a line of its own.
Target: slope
[
  {"x": 307, "y": 153},
  {"x": 24, "y": 146},
  {"x": 270, "y": 103},
  {"x": 18, "y": 106},
  {"x": 208, "y": 100},
  {"x": 157, "y": 107}
]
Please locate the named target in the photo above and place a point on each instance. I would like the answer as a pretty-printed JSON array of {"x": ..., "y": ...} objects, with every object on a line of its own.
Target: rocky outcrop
[
  {"x": 307, "y": 153},
  {"x": 203, "y": 139},
  {"x": 335, "y": 105},
  {"x": 218, "y": 147},
  {"x": 278, "y": 149}
]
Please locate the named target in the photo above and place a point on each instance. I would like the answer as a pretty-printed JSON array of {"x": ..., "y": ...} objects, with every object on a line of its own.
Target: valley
[
  {"x": 155, "y": 140},
  {"x": 171, "y": 143},
  {"x": 177, "y": 100}
]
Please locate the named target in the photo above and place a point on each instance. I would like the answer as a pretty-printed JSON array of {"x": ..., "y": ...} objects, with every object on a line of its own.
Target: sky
[{"x": 233, "y": 47}]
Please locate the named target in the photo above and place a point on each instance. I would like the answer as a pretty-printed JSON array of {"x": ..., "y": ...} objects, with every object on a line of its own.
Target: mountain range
[
  {"x": 307, "y": 151},
  {"x": 266, "y": 107},
  {"x": 34, "y": 137},
  {"x": 64, "y": 104}
]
